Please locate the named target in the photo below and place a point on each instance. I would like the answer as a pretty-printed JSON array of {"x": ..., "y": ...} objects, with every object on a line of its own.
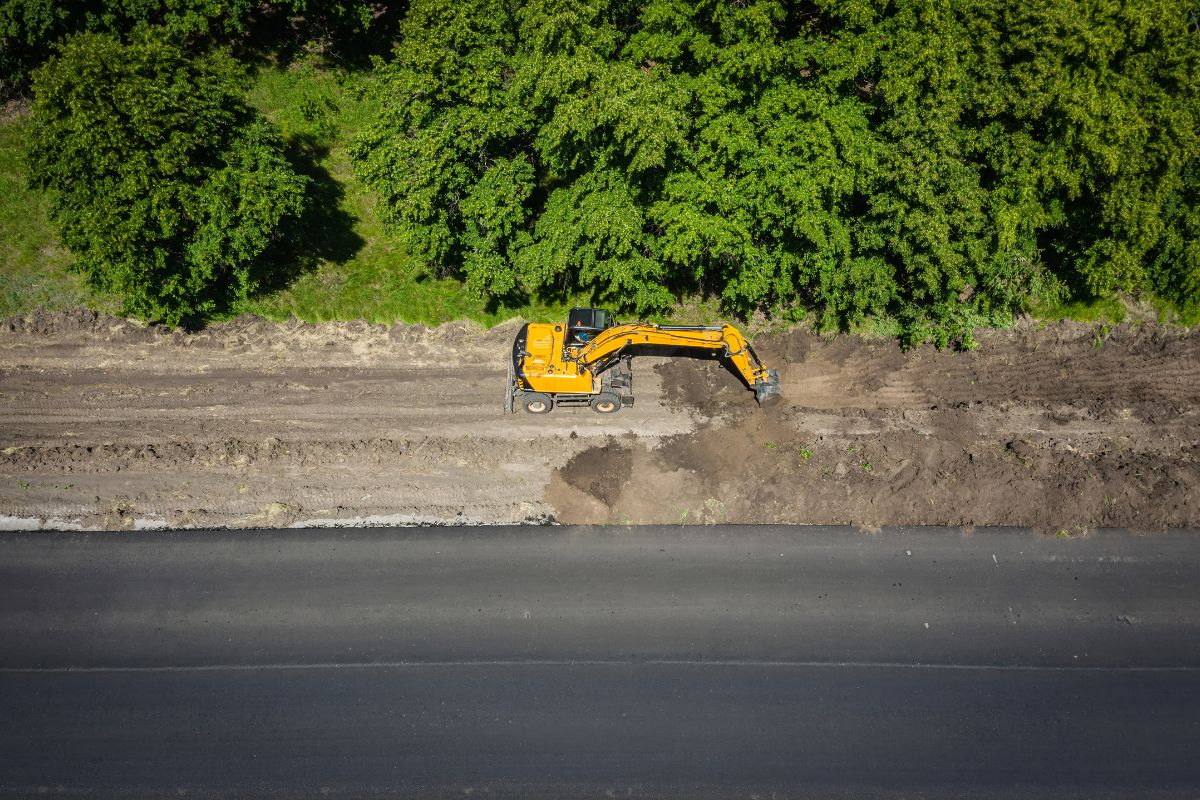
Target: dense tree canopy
[
  {"x": 163, "y": 183},
  {"x": 943, "y": 161},
  {"x": 29, "y": 29}
]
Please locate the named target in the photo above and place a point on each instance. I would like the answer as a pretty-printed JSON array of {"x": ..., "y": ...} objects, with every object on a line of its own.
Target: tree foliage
[
  {"x": 163, "y": 183},
  {"x": 943, "y": 161},
  {"x": 29, "y": 29}
]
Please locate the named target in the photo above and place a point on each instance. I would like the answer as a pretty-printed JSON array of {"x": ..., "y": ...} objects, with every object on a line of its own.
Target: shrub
[{"x": 164, "y": 184}]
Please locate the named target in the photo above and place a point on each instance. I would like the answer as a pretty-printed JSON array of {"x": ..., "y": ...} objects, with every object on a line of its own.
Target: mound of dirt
[
  {"x": 1067, "y": 427},
  {"x": 81, "y": 321},
  {"x": 249, "y": 333}
]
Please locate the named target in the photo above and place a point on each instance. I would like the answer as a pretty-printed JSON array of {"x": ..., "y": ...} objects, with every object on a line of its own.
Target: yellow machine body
[{"x": 546, "y": 370}]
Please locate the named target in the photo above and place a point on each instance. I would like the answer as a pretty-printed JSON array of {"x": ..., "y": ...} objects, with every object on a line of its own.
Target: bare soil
[
  {"x": 109, "y": 424},
  {"x": 1061, "y": 428},
  {"x": 105, "y": 423}
]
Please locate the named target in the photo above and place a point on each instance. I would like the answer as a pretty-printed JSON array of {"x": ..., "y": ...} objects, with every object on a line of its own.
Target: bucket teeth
[{"x": 768, "y": 393}]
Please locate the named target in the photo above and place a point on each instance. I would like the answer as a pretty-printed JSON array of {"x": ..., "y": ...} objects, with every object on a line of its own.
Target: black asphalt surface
[{"x": 564, "y": 662}]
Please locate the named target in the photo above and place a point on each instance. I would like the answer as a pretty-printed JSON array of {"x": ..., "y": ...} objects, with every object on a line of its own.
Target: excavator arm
[{"x": 612, "y": 342}]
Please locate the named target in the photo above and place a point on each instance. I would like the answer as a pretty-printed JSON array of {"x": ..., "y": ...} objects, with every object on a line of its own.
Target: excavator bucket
[{"x": 768, "y": 393}]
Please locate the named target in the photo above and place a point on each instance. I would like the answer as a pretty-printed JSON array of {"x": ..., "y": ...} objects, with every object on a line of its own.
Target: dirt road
[{"x": 106, "y": 423}]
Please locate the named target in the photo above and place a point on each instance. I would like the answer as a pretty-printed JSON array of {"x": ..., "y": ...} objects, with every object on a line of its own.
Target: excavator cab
[{"x": 584, "y": 323}]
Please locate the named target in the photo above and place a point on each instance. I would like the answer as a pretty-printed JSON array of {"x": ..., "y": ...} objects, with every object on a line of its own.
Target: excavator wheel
[
  {"x": 537, "y": 403},
  {"x": 606, "y": 403}
]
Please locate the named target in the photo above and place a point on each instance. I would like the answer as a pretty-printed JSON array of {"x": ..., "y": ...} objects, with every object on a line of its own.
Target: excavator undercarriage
[{"x": 587, "y": 362}]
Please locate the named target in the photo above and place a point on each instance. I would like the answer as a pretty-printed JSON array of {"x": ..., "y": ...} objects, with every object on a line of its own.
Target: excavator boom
[
  {"x": 587, "y": 360},
  {"x": 726, "y": 338}
]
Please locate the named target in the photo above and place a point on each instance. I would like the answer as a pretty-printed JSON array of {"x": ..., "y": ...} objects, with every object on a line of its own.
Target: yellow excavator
[{"x": 587, "y": 362}]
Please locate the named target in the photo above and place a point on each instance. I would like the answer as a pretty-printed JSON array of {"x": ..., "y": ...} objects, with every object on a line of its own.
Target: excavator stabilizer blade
[{"x": 768, "y": 393}]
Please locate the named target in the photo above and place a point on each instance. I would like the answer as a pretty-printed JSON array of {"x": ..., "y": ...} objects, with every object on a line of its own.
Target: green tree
[
  {"x": 444, "y": 155},
  {"x": 29, "y": 29},
  {"x": 1175, "y": 271},
  {"x": 761, "y": 199},
  {"x": 946, "y": 162},
  {"x": 163, "y": 183},
  {"x": 1119, "y": 97},
  {"x": 1031, "y": 148}
]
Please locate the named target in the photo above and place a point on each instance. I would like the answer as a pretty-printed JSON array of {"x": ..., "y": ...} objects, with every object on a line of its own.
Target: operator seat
[{"x": 583, "y": 324}]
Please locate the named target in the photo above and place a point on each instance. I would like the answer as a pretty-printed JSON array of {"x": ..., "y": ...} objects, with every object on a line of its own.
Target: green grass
[
  {"x": 1114, "y": 310},
  {"x": 878, "y": 328},
  {"x": 33, "y": 262},
  {"x": 1174, "y": 313},
  {"x": 346, "y": 266},
  {"x": 360, "y": 272},
  {"x": 1109, "y": 310}
]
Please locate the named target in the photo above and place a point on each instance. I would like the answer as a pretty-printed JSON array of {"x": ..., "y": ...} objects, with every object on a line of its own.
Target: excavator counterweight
[{"x": 588, "y": 360}]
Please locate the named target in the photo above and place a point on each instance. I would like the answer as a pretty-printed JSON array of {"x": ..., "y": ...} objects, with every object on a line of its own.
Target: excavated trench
[{"x": 1053, "y": 428}]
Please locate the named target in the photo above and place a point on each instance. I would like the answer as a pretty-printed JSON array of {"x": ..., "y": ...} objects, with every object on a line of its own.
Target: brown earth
[
  {"x": 107, "y": 423},
  {"x": 1060, "y": 428}
]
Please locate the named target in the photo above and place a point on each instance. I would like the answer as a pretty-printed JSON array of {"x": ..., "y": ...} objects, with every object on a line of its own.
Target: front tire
[
  {"x": 537, "y": 403},
  {"x": 606, "y": 403}
]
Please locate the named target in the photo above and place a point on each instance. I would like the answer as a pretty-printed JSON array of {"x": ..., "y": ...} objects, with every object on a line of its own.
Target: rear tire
[
  {"x": 537, "y": 403},
  {"x": 606, "y": 403}
]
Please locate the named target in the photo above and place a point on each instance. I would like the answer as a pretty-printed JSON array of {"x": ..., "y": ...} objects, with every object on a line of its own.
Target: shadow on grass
[
  {"x": 324, "y": 232},
  {"x": 276, "y": 36}
]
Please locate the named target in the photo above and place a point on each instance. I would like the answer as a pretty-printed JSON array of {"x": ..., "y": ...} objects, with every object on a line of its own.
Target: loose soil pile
[
  {"x": 1059, "y": 428},
  {"x": 111, "y": 424}
]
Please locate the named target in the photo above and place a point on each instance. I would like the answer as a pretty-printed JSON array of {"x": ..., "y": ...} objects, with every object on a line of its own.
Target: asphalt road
[{"x": 560, "y": 662}]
